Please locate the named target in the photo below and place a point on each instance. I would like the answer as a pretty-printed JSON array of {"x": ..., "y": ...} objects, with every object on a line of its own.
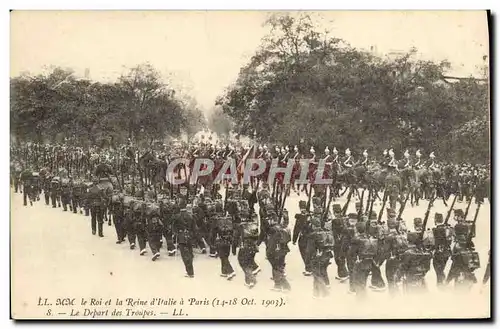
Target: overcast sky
[{"x": 205, "y": 50}]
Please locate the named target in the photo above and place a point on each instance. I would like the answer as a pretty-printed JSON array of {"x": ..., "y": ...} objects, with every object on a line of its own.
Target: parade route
[{"x": 54, "y": 255}]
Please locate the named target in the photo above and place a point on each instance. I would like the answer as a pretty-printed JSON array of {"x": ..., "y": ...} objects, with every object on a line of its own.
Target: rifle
[
  {"x": 403, "y": 205},
  {"x": 374, "y": 193},
  {"x": 327, "y": 208},
  {"x": 368, "y": 202},
  {"x": 309, "y": 195},
  {"x": 468, "y": 207},
  {"x": 473, "y": 227},
  {"x": 360, "y": 212},
  {"x": 426, "y": 218},
  {"x": 344, "y": 209},
  {"x": 448, "y": 215},
  {"x": 386, "y": 195}
]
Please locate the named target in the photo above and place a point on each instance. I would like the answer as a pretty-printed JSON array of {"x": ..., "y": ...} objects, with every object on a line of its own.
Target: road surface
[{"x": 54, "y": 255}]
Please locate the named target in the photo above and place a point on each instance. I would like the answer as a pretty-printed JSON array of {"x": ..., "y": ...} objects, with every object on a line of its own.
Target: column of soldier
[{"x": 359, "y": 242}]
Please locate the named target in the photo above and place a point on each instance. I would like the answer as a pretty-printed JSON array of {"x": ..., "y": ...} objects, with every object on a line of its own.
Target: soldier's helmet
[
  {"x": 337, "y": 209},
  {"x": 373, "y": 227},
  {"x": 392, "y": 223},
  {"x": 373, "y": 215},
  {"x": 302, "y": 204},
  {"x": 352, "y": 218},
  {"x": 438, "y": 218},
  {"x": 418, "y": 223},
  {"x": 459, "y": 214},
  {"x": 391, "y": 213},
  {"x": 413, "y": 237},
  {"x": 361, "y": 227}
]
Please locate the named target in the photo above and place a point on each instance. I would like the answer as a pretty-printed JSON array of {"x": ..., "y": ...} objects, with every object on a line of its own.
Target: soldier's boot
[
  {"x": 87, "y": 212},
  {"x": 65, "y": 207},
  {"x": 100, "y": 229}
]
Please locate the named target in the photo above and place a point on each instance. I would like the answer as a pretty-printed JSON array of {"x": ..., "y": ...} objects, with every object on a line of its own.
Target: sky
[{"x": 203, "y": 51}]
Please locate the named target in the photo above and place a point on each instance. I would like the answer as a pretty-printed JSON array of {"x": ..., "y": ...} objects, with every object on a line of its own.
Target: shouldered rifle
[
  {"x": 309, "y": 198},
  {"x": 327, "y": 208},
  {"x": 473, "y": 227},
  {"x": 426, "y": 218},
  {"x": 360, "y": 212},
  {"x": 468, "y": 207},
  {"x": 386, "y": 195},
  {"x": 448, "y": 215},
  {"x": 344, "y": 209},
  {"x": 403, "y": 205}
]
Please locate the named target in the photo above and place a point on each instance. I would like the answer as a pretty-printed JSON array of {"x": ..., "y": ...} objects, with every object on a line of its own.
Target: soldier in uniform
[
  {"x": 186, "y": 231},
  {"x": 338, "y": 228},
  {"x": 76, "y": 195},
  {"x": 442, "y": 249},
  {"x": 301, "y": 233},
  {"x": 364, "y": 250},
  {"x": 137, "y": 229},
  {"x": 66, "y": 194},
  {"x": 154, "y": 227},
  {"x": 395, "y": 244},
  {"x": 416, "y": 260},
  {"x": 55, "y": 192},
  {"x": 224, "y": 240},
  {"x": 346, "y": 242},
  {"x": 168, "y": 211},
  {"x": 117, "y": 210},
  {"x": 278, "y": 238},
  {"x": 322, "y": 251},
  {"x": 248, "y": 236},
  {"x": 96, "y": 201}
]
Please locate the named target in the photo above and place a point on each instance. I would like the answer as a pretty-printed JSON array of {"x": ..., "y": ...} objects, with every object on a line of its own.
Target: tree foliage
[
  {"x": 305, "y": 84},
  {"x": 57, "y": 105}
]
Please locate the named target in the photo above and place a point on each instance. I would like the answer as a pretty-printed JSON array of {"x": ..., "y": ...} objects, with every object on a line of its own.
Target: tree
[{"x": 305, "y": 84}]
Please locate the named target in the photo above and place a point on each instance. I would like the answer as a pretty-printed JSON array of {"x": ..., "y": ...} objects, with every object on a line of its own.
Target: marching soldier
[
  {"x": 224, "y": 240},
  {"x": 154, "y": 228},
  {"x": 117, "y": 210},
  {"x": 395, "y": 244},
  {"x": 278, "y": 238},
  {"x": 186, "y": 232},
  {"x": 301, "y": 233},
  {"x": 248, "y": 235},
  {"x": 364, "y": 250},
  {"x": 338, "y": 228},
  {"x": 442, "y": 249},
  {"x": 322, "y": 251},
  {"x": 96, "y": 201}
]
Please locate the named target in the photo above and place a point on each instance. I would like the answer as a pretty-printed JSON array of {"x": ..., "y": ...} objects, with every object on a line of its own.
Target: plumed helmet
[
  {"x": 295, "y": 148},
  {"x": 432, "y": 156},
  {"x": 265, "y": 147},
  {"x": 312, "y": 150},
  {"x": 418, "y": 154},
  {"x": 391, "y": 152},
  {"x": 348, "y": 152},
  {"x": 335, "y": 151},
  {"x": 385, "y": 152},
  {"x": 327, "y": 150},
  {"x": 260, "y": 147},
  {"x": 407, "y": 154},
  {"x": 365, "y": 153}
]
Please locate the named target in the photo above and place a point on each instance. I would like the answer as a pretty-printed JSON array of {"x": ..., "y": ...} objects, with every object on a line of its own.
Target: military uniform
[
  {"x": 301, "y": 233},
  {"x": 442, "y": 249},
  {"x": 223, "y": 241},
  {"x": 395, "y": 244},
  {"x": 186, "y": 231},
  {"x": 96, "y": 201},
  {"x": 364, "y": 250},
  {"x": 154, "y": 227},
  {"x": 118, "y": 212},
  {"x": 276, "y": 251},
  {"x": 248, "y": 236},
  {"x": 322, "y": 251}
]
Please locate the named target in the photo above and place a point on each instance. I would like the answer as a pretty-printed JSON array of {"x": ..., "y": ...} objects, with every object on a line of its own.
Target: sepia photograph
[{"x": 250, "y": 165}]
